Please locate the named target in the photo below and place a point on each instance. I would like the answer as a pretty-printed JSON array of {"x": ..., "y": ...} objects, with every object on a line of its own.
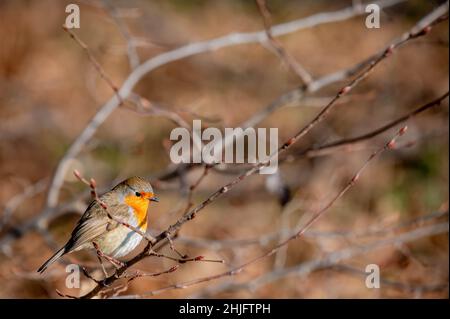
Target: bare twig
[
  {"x": 17, "y": 200},
  {"x": 93, "y": 186},
  {"x": 365, "y": 69},
  {"x": 329, "y": 147},
  {"x": 146, "y": 107},
  {"x": 348, "y": 143},
  {"x": 319, "y": 213},
  {"x": 41, "y": 220},
  {"x": 266, "y": 239},
  {"x": 278, "y": 49},
  {"x": 95, "y": 63},
  {"x": 189, "y": 203},
  {"x": 133, "y": 57},
  {"x": 315, "y": 217},
  {"x": 185, "y": 259},
  {"x": 421, "y": 28},
  {"x": 414, "y": 288},
  {"x": 139, "y": 274},
  {"x": 302, "y": 230},
  {"x": 329, "y": 260},
  {"x": 177, "y": 54},
  {"x": 414, "y": 33}
]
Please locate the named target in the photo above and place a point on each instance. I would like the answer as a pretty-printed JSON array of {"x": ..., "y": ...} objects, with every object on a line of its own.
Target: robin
[{"x": 128, "y": 202}]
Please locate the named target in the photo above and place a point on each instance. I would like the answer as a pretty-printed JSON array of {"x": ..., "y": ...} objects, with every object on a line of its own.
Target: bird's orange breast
[{"x": 140, "y": 207}]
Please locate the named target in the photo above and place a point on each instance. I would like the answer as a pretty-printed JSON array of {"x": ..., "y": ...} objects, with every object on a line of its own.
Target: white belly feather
[
  {"x": 127, "y": 238},
  {"x": 131, "y": 238}
]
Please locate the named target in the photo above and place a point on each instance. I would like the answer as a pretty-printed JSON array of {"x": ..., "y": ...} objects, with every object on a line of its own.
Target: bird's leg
[
  {"x": 99, "y": 256},
  {"x": 113, "y": 261}
]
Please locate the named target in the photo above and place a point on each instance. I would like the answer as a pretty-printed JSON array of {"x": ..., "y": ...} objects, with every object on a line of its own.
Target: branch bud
[
  {"x": 345, "y": 90},
  {"x": 402, "y": 130},
  {"x": 391, "y": 144},
  {"x": 77, "y": 173},
  {"x": 92, "y": 183},
  {"x": 389, "y": 50}
]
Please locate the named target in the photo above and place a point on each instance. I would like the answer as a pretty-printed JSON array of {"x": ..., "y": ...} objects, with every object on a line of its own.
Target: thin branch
[
  {"x": 15, "y": 201},
  {"x": 346, "y": 143},
  {"x": 300, "y": 134},
  {"x": 93, "y": 186},
  {"x": 326, "y": 148},
  {"x": 278, "y": 49},
  {"x": 189, "y": 203},
  {"x": 324, "y": 209},
  {"x": 146, "y": 107},
  {"x": 140, "y": 274},
  {"x": 414, "y": 288},
  {"x": 329, "y": 260},
  {"x": 414, "y": 33},
  {"x": 230, "y": 40},
  {"x": 315, "y": 217},
  {"x": 266, "y": 239},
  {"x": 185, "y": 259},
  {"x": 132, "y": 54},
  {"x": 95, "y": 63},
  {"x": 181, "y": 53},
  {"x": 421, "y": 28}
]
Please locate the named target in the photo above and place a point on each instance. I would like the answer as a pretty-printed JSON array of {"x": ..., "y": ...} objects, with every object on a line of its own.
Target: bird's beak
[{"x": 154, "y": 199}]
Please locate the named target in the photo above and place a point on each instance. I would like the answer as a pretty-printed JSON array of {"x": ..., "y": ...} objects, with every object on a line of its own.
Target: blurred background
[{"x": 49, "y": 91}]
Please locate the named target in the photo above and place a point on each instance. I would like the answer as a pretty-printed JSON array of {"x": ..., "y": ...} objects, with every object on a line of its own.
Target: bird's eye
[{"x": 138, "y": 194}]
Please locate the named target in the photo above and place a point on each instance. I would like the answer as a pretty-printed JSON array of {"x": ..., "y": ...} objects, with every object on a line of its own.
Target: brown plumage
[{"x": 128, "y": 201}]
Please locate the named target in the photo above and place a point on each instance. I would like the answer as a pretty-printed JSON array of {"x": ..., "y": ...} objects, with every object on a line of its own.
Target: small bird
[{"x": 127, "y": 202}]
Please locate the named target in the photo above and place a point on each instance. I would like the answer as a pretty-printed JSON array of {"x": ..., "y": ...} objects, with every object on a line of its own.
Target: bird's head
[{"x": 137, "y": 193}]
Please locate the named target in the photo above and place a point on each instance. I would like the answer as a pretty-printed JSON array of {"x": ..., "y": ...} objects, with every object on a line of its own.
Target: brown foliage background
[{"x": 49, "y": 90}]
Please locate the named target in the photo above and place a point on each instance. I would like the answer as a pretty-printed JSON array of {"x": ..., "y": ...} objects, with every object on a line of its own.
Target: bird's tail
[{"x": 52, "y": 259}]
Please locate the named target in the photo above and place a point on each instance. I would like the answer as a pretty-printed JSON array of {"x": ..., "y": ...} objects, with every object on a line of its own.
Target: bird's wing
[{"x": 93, "y": 223}]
